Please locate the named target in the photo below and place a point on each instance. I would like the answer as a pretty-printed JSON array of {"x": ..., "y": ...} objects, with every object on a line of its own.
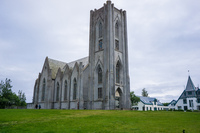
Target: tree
[
  {"x": 9, "y": 98},
  {"x": 144, "y": 93},
  {"x": 6, "y": 95},
  {"x": 22, "y": 98},
  {"x": 134, "y": 98}
]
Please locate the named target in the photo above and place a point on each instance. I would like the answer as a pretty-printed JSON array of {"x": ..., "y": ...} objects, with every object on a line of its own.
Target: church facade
[{"x": 99, "y": 81}]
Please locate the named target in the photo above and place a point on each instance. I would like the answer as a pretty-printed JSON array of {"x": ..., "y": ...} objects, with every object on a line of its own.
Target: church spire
[{"x": 190, "y": 85}]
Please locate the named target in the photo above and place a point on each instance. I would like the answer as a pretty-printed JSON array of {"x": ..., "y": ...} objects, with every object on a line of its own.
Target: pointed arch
[
  {"x": 76, "y": 67},
  {"x": 43, "y": 89},
  {"x": 75, "y": 88},
  {"x": 57, "y": 91},
  {"x": 65, "y": 90},
  {"x": 99, "y": 63},
  {"x": 118, "y": 59},
  {"x": 66, "y": 69}
]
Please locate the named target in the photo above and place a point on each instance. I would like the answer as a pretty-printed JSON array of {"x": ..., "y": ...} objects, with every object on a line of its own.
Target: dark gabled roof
[
  {"x": 149, "y": 100},
  {"x": 172, "y": 102}
]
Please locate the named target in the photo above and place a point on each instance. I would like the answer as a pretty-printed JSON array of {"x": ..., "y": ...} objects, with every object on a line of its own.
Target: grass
[{"x": 95, "y": 121}]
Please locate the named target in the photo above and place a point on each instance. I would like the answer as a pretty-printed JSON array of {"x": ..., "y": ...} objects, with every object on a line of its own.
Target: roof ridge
[
  {"x": 56, "y": 60},
  {"x": 77, "y": 60}
]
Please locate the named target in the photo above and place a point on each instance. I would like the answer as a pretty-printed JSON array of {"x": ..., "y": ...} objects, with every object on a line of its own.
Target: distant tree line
[{"x": 9, "y": 98}]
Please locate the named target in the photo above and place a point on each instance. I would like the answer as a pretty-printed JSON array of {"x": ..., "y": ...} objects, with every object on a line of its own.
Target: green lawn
[{"x": 50, "y": 121}]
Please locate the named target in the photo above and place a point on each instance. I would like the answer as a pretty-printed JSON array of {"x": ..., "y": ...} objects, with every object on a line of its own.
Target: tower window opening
[
  {"x": 100, "y": 44},
  {"x": 57, "y": 93},
  {"x": 118, "y": 72},
  {"x": 99, "y": 75},
  {"x": 100, "y": 30},
  {"x": 116, "y": 44},
  {"x": 43, "y": 89},
  {"x": 99, "y": 93},
  {"x": 75, "y": 88},
  {"x": 65, "y": 90},
  {"x": 116, "y": 30}
]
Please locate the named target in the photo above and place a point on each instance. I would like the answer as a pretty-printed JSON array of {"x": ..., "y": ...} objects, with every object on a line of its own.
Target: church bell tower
[{"x": 108, "y": 59}]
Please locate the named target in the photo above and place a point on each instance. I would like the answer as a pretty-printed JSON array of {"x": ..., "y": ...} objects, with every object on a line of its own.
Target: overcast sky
[{"x": 163, "y": 40}]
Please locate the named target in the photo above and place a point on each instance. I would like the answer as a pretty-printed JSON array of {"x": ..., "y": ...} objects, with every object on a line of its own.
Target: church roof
[
  {"x": 83, "y": 60},
  {"x": 55, "y": 65}
]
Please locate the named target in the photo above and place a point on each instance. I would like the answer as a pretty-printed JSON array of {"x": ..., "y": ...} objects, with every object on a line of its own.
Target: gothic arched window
[
  {"x": 43, "y": 89},
  {"x": 75, "y": 88},
  {"x": 118, "y": 72},
  {"x": 100, "y": 30},
  {"x": 57, "y": 92},
  {"x": 116, "y": 30},
  {"x": 99, "y": 74},
  {"x": 65, "y": 90}
]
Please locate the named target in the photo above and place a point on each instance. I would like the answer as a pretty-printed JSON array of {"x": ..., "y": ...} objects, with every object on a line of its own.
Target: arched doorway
[{"x": 118, "y": 94}]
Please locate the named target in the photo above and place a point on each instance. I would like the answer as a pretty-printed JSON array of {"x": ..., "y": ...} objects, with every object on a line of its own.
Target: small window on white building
[
  {"x": 191, "y": 103},
  {"x": 184, "y": 101}
]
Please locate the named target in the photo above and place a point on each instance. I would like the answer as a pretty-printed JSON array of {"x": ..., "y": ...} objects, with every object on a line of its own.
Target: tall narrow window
[
  {"x": 191, "y": 103},
  {"x": 116, "y": 44},
  {"x": 100, "y": 44},
  {"x": 75, "y": 87},
  {"x": 99, "y": 93},
  {"x": 118, "y": 72},
  {"x": 100, "y": 30},
  {"x": 116, "y": 30},
  {"x": 43, "y": 89},
  {"x": 65, "y": 91},
  {"x": 99, "y": 74},
  {"x": 57, "y": 92},
  {"x": 184, "y": 101}
]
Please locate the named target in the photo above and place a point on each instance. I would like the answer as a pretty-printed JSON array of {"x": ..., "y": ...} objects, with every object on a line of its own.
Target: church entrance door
[{"x": 118, "y": 94}]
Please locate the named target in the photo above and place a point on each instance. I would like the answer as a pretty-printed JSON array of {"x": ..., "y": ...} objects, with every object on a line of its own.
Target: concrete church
[{"x": 100, "y": 81}]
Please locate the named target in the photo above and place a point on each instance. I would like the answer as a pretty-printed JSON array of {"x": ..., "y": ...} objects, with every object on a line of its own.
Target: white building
[
  {"x": 190, "y": 97},
  {"x": 148, "y": 103},
  {"x": 172, "y": 104}
]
